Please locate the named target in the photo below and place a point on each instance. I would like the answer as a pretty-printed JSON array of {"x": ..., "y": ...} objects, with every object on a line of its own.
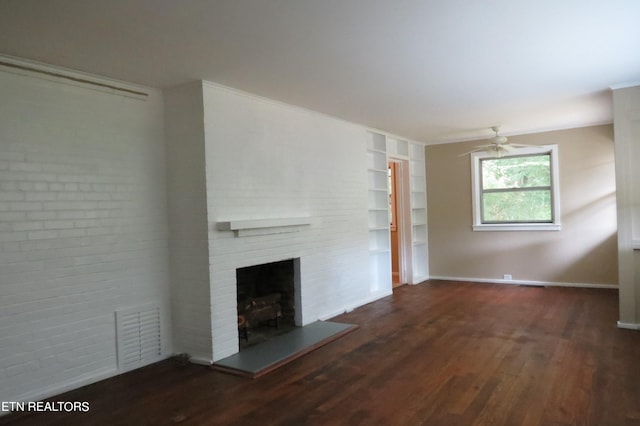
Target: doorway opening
[{"x": 398, "y": 220}]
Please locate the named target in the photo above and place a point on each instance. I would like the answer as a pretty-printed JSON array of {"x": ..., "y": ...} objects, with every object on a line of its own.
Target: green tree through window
[{"x": 516, "y": 189}]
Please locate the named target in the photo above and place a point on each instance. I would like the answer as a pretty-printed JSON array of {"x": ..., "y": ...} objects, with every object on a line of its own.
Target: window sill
[{"x": 517, "y": 227}]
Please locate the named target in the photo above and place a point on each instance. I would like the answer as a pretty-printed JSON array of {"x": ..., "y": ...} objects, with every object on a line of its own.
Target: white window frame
[{"x": 476, "y": 181}]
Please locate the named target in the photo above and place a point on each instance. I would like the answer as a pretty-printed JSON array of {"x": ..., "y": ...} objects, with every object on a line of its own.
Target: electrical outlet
[{"x": 507, "y": 277}]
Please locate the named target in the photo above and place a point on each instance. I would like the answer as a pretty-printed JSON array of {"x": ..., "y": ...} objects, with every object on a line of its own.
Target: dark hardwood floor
[{"x": 439, "y": 353}]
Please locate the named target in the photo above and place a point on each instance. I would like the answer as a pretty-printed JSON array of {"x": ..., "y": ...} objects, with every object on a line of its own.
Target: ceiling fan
[{"x": 498, "y": 145}]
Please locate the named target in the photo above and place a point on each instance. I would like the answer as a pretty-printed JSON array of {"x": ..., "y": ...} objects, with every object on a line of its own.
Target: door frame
[{"x": 403, "y": 209}]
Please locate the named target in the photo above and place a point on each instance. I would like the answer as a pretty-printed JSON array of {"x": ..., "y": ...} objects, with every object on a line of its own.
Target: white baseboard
[
  {"x": 419, "y": 279},
  {"x": 628, "y": 325},
  {"x": 526, "y": 282},
  {"x": 200, "y": 361},
  {"x": 372, "y": 298}
]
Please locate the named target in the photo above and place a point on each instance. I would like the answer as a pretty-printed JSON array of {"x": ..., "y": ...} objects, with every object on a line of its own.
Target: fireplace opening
[{"x": 266, "y": 296}]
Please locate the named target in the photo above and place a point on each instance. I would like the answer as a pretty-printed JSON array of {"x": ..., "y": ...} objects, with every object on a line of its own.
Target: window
[{"x": 516, "y": 192}]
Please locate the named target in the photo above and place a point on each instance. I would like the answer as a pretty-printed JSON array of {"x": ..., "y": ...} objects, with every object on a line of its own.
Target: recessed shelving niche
[{"x": 379, "y": 148}]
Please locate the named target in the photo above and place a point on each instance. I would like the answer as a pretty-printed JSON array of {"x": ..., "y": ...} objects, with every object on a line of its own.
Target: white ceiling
[{"x": 431, "y": 70}]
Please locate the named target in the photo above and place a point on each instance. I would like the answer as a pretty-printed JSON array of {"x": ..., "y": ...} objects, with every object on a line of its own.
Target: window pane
[
  {"x": 517, "y": 206},
  {"x": 516, "y": 172}
]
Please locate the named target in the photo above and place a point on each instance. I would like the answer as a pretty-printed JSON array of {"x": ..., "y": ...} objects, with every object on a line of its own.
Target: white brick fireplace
[{"x": 254, "y": 181}]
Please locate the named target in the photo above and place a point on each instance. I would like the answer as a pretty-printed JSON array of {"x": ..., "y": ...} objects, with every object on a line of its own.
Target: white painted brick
[
  {"x": 8, "y": 186},
  {"x": 85, "y": 145},
  {"x": 25, "y": 167},
  {"x": 40, "y": 177},
  {"x": 72, "y": 178},
  {"x": 12, "y": 156},
  {"x": 41, "y": 215},
  {"x": 11, "y": 196},
  {"x": 268, "y": 176},
  {"x": 12, "y": 216},
  {"x": 70, "y": 196},
  {"x": 41, "y": 186},
  {"x": 10, "y": 247},
  {"x": 58, "y": 224},
  {"x": 27, "y": 186},
  {"x": 88, "y": 223},
  {"x": 110, "y": 205},
  {"x": 27, "y": 226},
  {"x": 16, "y": 369},
  {"x": 42, "y": 235},
  {"x": 7, "y": 176},
  {"x": 113, "y": 251},
  {"x": 89, "y": 196},
  {"x": 72, "y": 233},
  {"x": 26, "y": 206},
  {"x": 70, "y": 205},
  {"x": 71, "y": 214},
  {"x": 12, "y": 236},
  {"x": 40, "y": 196}
]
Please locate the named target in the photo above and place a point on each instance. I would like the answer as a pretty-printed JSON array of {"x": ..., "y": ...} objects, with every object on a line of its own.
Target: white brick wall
[
  {"x": 83, "y": 228},
  {"x": 83, "y": 219},
  {"x": 269, "y": 160},
  {"x": 190, "y": 292}
]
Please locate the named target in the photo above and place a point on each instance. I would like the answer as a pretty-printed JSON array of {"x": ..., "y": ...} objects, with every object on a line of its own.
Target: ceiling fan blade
[
  {"x": 521, "y": 145},
  {"x": 498, "y": 145},
  {"x": 471, "y": 152},
  {"x": 490, "y": 148}
]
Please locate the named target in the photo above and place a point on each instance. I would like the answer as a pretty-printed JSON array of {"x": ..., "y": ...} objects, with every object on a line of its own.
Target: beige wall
[{"x": 583, "y": 252}]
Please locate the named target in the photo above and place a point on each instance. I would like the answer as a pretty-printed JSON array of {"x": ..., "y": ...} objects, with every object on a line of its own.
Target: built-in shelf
[
  {"x": 398, "y": 148},
  {"x": 379, "y": 149},
  {"x": 636, "y": 244},
  {"x": 419, "y": 245},
  {"x": 248, "y": 227},
  {"x": 379, "y": 236}
]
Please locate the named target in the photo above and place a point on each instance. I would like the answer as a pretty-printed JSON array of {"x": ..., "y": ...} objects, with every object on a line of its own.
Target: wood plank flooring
[{"x": 439, "y": 353}]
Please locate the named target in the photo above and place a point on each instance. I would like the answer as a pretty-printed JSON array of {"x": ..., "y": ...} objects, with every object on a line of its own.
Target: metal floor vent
[{"x": 138, "y": 336}]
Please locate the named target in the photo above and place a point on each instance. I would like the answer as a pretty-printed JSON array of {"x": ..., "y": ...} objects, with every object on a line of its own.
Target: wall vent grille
[{"x": 138, "y": 335}]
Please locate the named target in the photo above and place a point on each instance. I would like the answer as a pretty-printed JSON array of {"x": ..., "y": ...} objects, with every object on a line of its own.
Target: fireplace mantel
[{"x": 249, "y": 227}]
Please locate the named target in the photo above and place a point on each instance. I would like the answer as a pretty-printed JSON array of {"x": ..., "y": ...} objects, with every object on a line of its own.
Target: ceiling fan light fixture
[
  {"x": 498, "y": 145},
  {"x": 497, "y": 138}
]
